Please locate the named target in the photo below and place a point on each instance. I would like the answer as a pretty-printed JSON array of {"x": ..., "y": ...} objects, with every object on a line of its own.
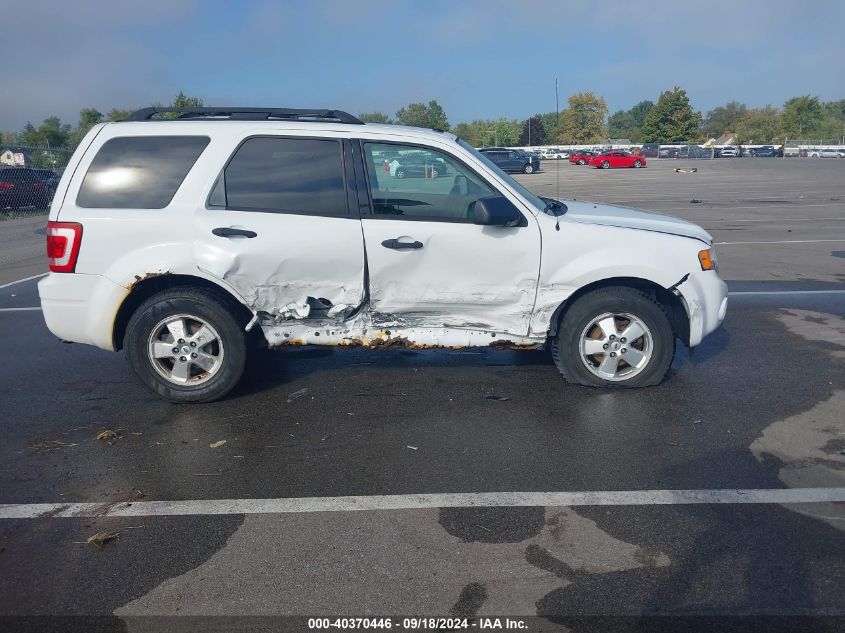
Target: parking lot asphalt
[{"x": 758, "y": 406}]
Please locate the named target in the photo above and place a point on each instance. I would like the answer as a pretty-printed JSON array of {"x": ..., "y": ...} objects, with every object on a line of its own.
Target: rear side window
[
  {"x": 284, "y": 175},
  {"x": 139, "y": 172}
]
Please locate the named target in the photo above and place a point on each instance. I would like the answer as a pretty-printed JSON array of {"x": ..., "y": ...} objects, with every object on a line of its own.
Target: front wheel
[
  {"x": 616, "y": 337},
  {"x": 638, "y": 164},
  {"x": 186, "y": 345},
  {"x": 605, "y": 164},
  {"x": 581, "y": 161},
  {"x": 528, "y": 169}
]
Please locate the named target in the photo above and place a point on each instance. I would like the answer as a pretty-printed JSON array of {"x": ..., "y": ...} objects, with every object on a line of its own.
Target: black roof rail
[{"x": 248, "y": 114}]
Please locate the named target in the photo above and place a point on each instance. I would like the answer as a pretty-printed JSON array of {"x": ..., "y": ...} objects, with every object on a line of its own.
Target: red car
[
  {"x": 617, "y": 158},
  {"x": 581, "y": 156}
]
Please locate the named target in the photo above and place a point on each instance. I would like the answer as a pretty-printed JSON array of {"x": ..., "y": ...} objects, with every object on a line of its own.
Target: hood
[{"x": 590, "y": 213}]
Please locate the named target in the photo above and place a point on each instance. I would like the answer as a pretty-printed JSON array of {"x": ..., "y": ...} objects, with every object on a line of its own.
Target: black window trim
[
  {"x": 344, "y": 158},
  {"x": 143, "y": 136},
  {"x": 368, "y": 213}
]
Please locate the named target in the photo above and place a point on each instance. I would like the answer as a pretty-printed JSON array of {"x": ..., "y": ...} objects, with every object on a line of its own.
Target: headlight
[{"x": 707, "y": 259}]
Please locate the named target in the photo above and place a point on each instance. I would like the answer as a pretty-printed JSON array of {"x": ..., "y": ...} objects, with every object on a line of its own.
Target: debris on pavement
[
  {"x": 696, "y": 421},
  {"x": 681, "y": 170},
  {"x": 101, "y": 538},
  {"x": 413, "y": 448},
  {"x": 217, "y": 444},
  {"x": 108, "y": 435},
  {"x": 695, "y": 201},
  {"x": 296, "y": 395},
  {"x": 51, "y": 446},
  {"x": 495, "y": 397}
]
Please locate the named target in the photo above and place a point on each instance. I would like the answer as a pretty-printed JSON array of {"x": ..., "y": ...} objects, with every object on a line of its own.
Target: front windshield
[{"x": 521, "y": 190}]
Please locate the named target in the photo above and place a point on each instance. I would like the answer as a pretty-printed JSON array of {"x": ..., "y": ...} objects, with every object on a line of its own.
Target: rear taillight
[
  {"x": 63, "y": 241},
  {"x": 5, "y": 185}
]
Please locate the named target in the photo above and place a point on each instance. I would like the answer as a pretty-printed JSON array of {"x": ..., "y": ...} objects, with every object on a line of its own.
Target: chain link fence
[{"x": 28, "y": 178}]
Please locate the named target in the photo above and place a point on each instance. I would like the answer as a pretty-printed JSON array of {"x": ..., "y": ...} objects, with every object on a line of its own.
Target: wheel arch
[
  {"x": 151, "y": 285},
  {"x": 672, "y": 303}
]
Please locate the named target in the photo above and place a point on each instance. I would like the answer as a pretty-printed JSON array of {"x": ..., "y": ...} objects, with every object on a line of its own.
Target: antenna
[{"x": 557, "y": 126}]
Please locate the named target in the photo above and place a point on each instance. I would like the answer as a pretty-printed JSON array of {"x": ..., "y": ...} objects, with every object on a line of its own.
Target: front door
[
  {"x": 429, "y": 265},
  {"x": 278, "y": 229}
]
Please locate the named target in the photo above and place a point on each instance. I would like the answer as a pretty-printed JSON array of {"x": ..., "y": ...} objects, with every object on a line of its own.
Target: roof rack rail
[{"x": 248, "y": 114}]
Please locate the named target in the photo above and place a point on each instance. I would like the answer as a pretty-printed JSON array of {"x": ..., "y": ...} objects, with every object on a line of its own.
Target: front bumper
[
  {"x": 705, "y": 298},
  {"x": 81, "y": 308}
]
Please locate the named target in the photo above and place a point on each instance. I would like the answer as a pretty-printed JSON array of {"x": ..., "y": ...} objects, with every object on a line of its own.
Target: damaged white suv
[{"x": 178, "y": 240}]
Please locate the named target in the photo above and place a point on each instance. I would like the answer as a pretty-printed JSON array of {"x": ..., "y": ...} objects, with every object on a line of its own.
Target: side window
[
  {"x": 421, "y": 184},
  {"x": 513, "y": 155},
  {"x": 139, "y": 172},
  {"x": 284, "y": 175}
]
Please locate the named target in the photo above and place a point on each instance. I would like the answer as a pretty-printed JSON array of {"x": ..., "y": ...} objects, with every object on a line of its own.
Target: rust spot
[
  {"x": 140, "y": 278},
  {"x": 387, "y": 343},
  {"x": 505, "y": 344}
]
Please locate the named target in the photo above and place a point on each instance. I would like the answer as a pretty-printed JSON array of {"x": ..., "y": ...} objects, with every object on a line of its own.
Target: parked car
[
  {"x": 22, "y": 188},
  {"x": 617, "y": 158},
  {"x": 765, "y": 151},
  {"x": 183, "y": 242},
  {"x": 649, "y": 150},
  {"x": 512, "y": 160},
  {"x": 49, "y": 178},
  {"x": 729, "y": 151},
  {"x": 553, "y": 154},
  {"x": 416, "y": 165},
  {"x": 825, "y": 153},
  {"x": 669, "y": 152},
  {"x": 581, "y": 156}
]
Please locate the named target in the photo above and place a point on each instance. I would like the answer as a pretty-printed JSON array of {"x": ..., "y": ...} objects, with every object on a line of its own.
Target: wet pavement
[{"x": 759, "y": 405}]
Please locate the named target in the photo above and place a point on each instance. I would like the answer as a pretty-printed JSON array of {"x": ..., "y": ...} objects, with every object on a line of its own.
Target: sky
[{"x": 478, "y": 59}]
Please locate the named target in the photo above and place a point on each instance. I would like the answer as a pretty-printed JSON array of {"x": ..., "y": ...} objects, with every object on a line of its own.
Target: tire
[
  {"x": 605, "y": 164},
  {"x": 224, "y": 351},
  {"x": 638, "y": 164},
  {"x": 528, "y": 169},
  {"x": 581, "y": 161},
  {"x": 400, "y": 173},
  {"x": 655, "y": 347}
]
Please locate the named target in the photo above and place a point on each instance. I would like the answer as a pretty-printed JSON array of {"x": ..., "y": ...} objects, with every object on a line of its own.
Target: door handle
[
  {"x": 399, "y": 246},
  {"x": 226, "y": 231}
]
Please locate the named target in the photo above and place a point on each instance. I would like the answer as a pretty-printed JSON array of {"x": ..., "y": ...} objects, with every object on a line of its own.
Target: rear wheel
[
  {"x": 528, "y": 169},
  {"x": 186, "y": 345},
  {"x": 614, "y": 337},
  {"x": 581, "y": 161}
]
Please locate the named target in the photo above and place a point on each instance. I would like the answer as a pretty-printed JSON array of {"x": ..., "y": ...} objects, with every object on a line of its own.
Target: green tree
[
  {"x": 550, "y": 122},
  {"x": 429, "y": 115},
  {"x": 724, "y": 118},
  {"x": 118, "y": 114},
  {"x": 583, "y": 120},
  {"x": 672, "y": 119},
  {"x": 628, "y": 124},
  {"x": 88, "y": 118},
  {"x": 802, "y": 116},
  {"x": 758, "y": 126},
  {"x": 533, "y": 133},
  {"x": 375, "y": 117},
  {"x": 52, "y": 132},
  {"x": 472, "y": 133}
]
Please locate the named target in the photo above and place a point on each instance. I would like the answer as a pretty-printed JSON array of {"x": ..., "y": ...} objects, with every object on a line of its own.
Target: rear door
[
  {"x": 278, "y": 228},
  {"x": 429, "y": 265}
]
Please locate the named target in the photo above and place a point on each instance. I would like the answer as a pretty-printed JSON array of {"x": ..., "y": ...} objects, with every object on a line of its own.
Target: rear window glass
[
  {"x": 284, "y": 175},
  {"x": 139, "y": 172}
]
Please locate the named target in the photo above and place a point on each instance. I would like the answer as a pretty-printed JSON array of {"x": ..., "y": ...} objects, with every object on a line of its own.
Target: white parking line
[
  {"x": 19, "y": 309},
  {"x": 778, "y": 242},
  {"x": 20, "y": 281},
  {"x": 748, "y": 293},
  {"x": 419, "y": 501}
]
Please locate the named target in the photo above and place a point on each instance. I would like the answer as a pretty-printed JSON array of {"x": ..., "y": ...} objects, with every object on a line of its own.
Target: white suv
[{"x": 180, "y": 240}]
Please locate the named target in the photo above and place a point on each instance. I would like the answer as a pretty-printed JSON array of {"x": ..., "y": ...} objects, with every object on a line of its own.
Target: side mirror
[{"x": 497, "y": 211}]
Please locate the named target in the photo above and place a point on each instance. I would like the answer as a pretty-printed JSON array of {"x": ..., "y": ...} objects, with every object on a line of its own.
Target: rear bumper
[
  {"x": 81, "y": 308},
  {"x": 705, "y": 298}
]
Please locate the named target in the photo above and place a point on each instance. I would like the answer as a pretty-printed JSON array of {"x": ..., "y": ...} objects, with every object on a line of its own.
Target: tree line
[{"x": 584, "y": 120}]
